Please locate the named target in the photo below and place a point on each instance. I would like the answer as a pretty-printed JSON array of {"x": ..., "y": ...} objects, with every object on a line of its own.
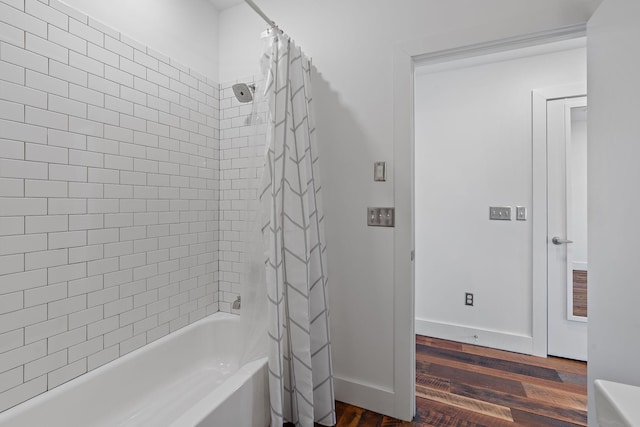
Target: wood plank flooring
[{"x": 463, "y": 385}]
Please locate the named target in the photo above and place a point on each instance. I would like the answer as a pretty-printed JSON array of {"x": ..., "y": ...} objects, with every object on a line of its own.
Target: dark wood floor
[{"x": 463, "y": 385}]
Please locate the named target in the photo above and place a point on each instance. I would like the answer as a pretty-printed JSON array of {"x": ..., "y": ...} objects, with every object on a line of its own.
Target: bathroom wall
[
  {"x": 238, "y": 183},
  {"x": 352, "y": 45},
  {"x": 186, "y": 31},
  {"x": 108, "y": 196},
  {"x": 461, "y": 171}
]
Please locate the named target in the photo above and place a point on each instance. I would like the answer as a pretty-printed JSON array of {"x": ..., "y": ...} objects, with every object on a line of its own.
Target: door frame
[{"x": 406, "y": 56}]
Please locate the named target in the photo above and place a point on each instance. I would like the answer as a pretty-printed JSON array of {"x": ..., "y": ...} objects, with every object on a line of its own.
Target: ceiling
[{"x": 225, "y": 4}]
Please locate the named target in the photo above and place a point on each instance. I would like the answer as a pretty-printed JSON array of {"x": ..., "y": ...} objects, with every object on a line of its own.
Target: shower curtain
[{"x": 300, "y": 370}]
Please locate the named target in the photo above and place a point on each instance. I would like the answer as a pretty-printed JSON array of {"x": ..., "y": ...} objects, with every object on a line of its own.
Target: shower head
[{"x": 244, "y": 92}]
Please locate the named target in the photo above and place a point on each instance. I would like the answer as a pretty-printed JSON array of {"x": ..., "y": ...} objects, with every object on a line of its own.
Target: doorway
[{"x": 482, "y": 280}]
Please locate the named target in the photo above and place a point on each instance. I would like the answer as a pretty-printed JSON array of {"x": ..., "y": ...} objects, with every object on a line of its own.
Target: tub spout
[{"x": 236, "y": 304}]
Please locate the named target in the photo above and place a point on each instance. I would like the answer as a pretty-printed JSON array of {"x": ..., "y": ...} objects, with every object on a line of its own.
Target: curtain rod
[{"x": 259, "y": 11}]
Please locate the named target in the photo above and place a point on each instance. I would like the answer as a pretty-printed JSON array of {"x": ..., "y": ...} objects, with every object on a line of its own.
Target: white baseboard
[
  {"x": 368, "y": 396},
  {"x": 466, "y": 334}
]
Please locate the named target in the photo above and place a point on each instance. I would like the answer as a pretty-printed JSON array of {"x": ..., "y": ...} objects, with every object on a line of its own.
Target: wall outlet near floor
[{"x": 468, "y": 299}]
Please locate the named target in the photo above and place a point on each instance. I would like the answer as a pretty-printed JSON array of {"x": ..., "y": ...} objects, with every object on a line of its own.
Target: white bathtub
[{"x": 188, "y": 378}]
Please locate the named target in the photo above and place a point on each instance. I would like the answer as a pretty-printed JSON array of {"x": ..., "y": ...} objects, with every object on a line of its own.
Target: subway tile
[
  {"x": 41, "y": 188},
  {"x": 10, "y": 379},
  {"x": 118, "y": 47},
  {"x": 46, "y": 13},
  {"x": 85, "y": 285},
  {"x": 22, "y": 243},
  {"x": 45, "y": 294},
  {"x": 98, "y": 298},
  {"x": 11, "y": 340},
  {"x": 67, "y": 173},
  {"x": 47, "y": 49},
  {"x": 118, "y": 335},
  {"x": 44, "y": 153},
  {"x": 10, "y": 187},
  {"x": 67, "y": 40},
  {"x": 103, "y": 266},
  {"x": 23, "y": 58},
  {"x": 86, "y": 253},
  {"x": 103, "y": 175},
  {"x": 68, "y": 10},
  {"x": 11, "y": 302},
  {"x": 101, "y": 145},
  {"x": 22, "y": 355},
  {"x": 21, "y": 132},
  {"x": 66, "y": 273},
  {"x": 103, "y": 116},
  {"x": 49, "y": 119},
  {"x": 11, "y": 111},
  {"x": 85, "y": 63},
  {"x": 22, "y": 95},
  {"x": 85, "y": 32},
  {"x": 67, "y": 73},
  {"x": 67, "y": 139},
  {"x": 46, "y": 224},
  {"x": 11, "y": 264},
  {"x": 45, "y": 365},
  {"x": 11, "y": 73},
  {"x": 67, "y": 373},
  {"x": 86, "y": 127},
  {"x": 85, "y": 349},
  {"x": 105, "y": 356},
  {"x": 88, "y": 96},
  {"x": 67, "y": 206},
  {"x": 67, "y": 239},
  {"x": 84, "y": 190},
  {"x": 23, "y": 392},
  {"x": 108, "y": 31},
  {"x": 66, "y": 306},
  {"x": 131, "y": 67},
  {"x": 67, "y": 106},
  {"x": 66, "y": 339},
  {"x": 20, "y": 319},
  {"x": 11, "y": 34},
  {"x": 11, "y": 149},
  {"x": 103, "y": 55},
  {"x": 44, "y": 259},
  {"x": 22, "y": 20}
]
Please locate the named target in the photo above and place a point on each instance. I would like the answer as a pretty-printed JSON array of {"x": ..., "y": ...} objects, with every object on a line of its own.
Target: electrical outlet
[{"x": 468, "y": 299}]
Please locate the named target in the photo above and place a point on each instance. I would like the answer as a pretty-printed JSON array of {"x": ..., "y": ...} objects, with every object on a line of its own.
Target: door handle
[{"x": 558, "y": 241}]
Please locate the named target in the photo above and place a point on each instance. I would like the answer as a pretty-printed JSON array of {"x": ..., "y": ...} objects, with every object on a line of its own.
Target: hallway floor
[{"x": 464, "y": 385}]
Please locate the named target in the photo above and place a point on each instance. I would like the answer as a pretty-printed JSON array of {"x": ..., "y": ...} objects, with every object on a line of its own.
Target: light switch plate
[
  {"x": 381, "y": 217},
  {"x": 501, "y": 213},
  {"x": 380, "y": 171},
  {"x": 521, "y": 213}
]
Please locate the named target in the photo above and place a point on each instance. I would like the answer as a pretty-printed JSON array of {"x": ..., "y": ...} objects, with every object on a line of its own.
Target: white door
[{"x": 567, "y": 227}]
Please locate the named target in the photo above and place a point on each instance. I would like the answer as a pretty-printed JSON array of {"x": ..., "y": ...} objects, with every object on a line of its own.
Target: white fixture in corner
[{"x": 617, "y": 404}]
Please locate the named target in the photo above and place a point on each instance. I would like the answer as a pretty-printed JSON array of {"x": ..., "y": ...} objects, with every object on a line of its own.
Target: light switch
[
  {"x": 501, "y": 213},
  {"x": 380, "y": 171},
  {"x": 381, "y": 217},
  {"x": 521, "y": 213}
]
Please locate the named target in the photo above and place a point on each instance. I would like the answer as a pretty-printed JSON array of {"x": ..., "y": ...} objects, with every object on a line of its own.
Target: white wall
[
  {"x": 186, "y": 31},
  {"x": 352, "y": 45},
  {"x": 473, "y": 149},
  {"x": 613, "y": 153}
]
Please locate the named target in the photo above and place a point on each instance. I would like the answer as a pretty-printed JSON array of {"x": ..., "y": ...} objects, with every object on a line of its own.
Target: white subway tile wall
[
  {"x": 241, "y": 161},
  {"x": 109, "y": 182}
]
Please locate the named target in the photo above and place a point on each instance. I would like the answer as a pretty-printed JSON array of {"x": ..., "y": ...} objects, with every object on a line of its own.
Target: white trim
[
  {"x": 364, "y": 395},
  {"x": 405, "y": 57},
  {"x": 485, "y": 337},
  {"x": 539, "y": 99}
]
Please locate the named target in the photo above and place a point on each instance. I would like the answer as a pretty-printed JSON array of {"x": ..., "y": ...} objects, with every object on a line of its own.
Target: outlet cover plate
[{"x": 381, "y": 217}]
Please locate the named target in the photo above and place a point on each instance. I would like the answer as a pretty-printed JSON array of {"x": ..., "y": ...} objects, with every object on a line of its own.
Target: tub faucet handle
[{"x": 236, "y": 304}]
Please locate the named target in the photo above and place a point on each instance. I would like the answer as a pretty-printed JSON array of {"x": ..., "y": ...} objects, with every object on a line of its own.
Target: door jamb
[{"x": 405, "y": 58}]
